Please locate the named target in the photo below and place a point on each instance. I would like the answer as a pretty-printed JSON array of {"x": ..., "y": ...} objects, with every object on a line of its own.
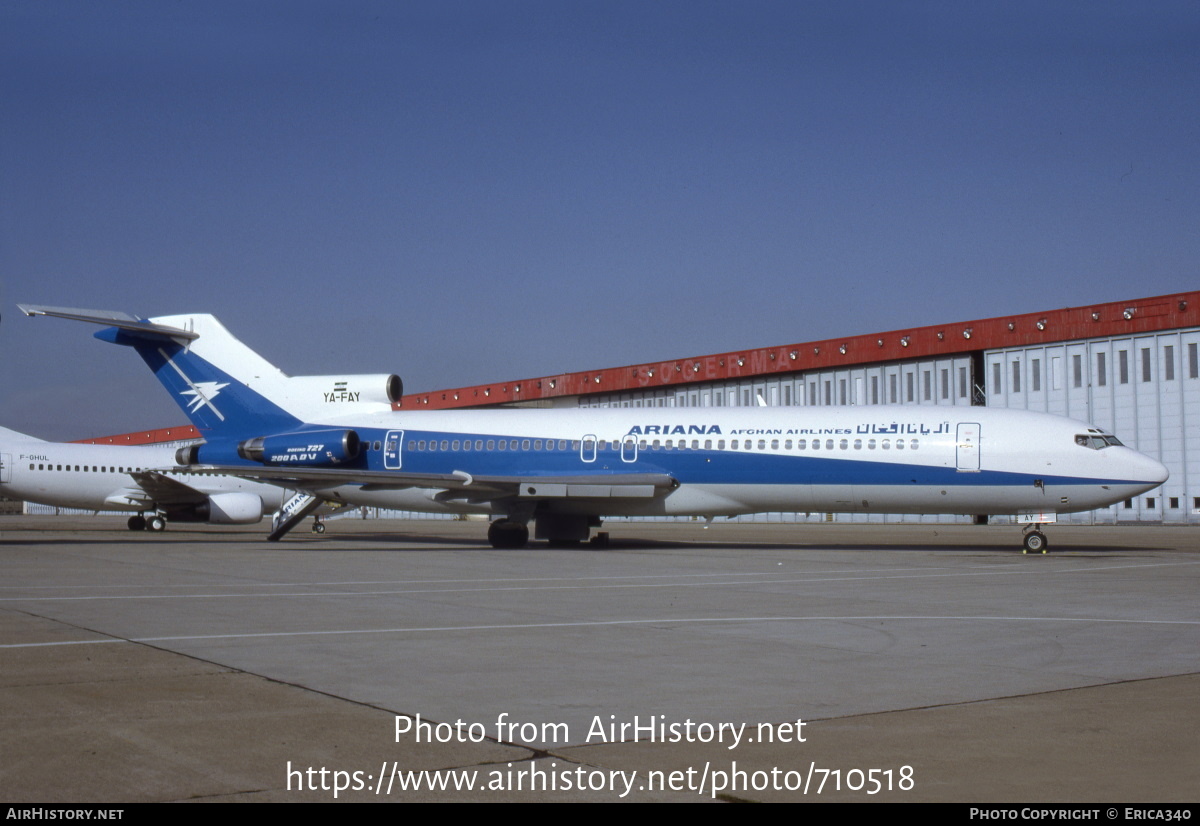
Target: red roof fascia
[
  {"x": 1146, "y": 315},
  {"x": 146, "y": 437}
]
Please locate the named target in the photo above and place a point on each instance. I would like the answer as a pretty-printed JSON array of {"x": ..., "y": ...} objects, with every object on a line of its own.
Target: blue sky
[{"x": 464, "y": 192}]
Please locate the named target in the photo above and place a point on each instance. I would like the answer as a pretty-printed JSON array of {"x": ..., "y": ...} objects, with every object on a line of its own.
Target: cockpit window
[{"x": 1097, "y": 441}]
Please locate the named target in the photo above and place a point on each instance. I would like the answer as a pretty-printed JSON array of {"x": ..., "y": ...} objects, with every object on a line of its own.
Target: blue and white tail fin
[
  {"x": 203, "y": 367},
  {"x": 227, "y": 390},
  {"x": 211, "y": 376}
]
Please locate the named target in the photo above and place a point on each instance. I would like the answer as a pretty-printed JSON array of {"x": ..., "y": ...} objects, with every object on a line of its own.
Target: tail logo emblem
[{"x": 202, "y": 393}]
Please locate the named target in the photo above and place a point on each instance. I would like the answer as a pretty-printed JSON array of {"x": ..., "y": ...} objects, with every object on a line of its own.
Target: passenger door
[
  {"x": 391, "y": 449},
  {"x": 968, "y": 447}
]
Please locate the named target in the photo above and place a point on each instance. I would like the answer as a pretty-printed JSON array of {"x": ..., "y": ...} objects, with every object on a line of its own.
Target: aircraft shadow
[
  {"x": 634, "y": 544},
  {"x": 335, "y": 540}
]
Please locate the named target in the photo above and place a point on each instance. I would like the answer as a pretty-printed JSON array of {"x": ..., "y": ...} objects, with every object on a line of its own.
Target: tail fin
[
  {"x": 226, "y": 389},
  {"x": 8, "y": 435},
  {"x": 210, "y": 376},
  {"x": 205, "y": 369}
]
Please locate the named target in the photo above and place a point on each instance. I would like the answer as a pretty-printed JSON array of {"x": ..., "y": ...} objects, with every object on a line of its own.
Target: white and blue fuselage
[{"x": 734, "y": 461}]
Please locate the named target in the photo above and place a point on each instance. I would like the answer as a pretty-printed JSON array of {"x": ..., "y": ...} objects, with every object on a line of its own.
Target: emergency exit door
[
  {"x": 968, "y": 447},
  {"x": 391, "y": 449}
]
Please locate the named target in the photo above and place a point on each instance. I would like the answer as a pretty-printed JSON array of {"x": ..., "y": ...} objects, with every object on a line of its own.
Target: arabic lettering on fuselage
[
  {"x": 871, "y": 428},
  {"x": 909, "y": 427}
]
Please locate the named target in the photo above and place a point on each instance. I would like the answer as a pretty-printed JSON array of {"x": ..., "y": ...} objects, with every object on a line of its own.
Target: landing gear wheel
[
  {"x": 137, "y": 523},
  {"x": 318, "y": 527},
  {"x": 156, "y": 524},
  {"x": 1035, "y": 543},
  {"x": 505, "y": 534}
]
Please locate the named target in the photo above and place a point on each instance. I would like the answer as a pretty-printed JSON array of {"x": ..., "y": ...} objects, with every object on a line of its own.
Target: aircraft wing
[
  {"x": 165, "y": 491},
  {"x": 151, "y": 488},
  {"x": 456, "y": 485}
]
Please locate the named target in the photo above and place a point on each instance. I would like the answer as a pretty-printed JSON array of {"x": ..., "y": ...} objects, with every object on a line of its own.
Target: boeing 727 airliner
[{"x": 566, "y": 469}]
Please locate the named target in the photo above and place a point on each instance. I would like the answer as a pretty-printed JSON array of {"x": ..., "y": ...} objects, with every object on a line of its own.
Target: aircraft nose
[{"x": 1150, "y": 470}]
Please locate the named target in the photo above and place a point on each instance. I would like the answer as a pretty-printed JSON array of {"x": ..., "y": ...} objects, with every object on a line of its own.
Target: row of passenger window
[
  {"x": 589, "y": 445},
  {"x": 800, "y": 444},
  {"x": 493, "y": 444},
  {"x": 85, "y": 468}
]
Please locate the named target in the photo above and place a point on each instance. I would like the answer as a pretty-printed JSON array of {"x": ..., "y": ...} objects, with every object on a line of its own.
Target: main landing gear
[
  {"x": 508, "y": 534},
  {"x": 153, "y": 523},
  {"x": 1034, "y": 541},
  {"x": 559, "y": 530}
]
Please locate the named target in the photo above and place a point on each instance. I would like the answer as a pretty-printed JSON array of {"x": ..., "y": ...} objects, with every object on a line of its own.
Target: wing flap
[
  {"x": 534, "y": 489},
  {"x": 456, "y": 485},
  {"x": 129, "y": 497},
  {"x": 165, "y": 491}
]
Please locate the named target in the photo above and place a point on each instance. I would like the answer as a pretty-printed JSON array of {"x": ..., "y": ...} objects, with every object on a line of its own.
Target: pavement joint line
[{"x": 599, "y": 623}]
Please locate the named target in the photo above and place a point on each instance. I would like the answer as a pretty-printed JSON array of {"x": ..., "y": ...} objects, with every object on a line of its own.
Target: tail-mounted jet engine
[
  {"x": 311, "y": 448},
  {"x": 339, "y": 391},
  {"x": 314, "y": 447}
]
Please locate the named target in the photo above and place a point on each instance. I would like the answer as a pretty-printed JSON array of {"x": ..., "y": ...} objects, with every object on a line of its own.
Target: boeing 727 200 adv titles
[{"x": 566, "y": 469}]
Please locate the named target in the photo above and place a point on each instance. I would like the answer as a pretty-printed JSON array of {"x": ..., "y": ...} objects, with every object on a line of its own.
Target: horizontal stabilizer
[{"x": 110, "y": 318}]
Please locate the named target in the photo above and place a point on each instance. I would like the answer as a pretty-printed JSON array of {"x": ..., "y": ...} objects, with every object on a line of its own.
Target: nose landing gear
[{"x": 1034, "y": 541}]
